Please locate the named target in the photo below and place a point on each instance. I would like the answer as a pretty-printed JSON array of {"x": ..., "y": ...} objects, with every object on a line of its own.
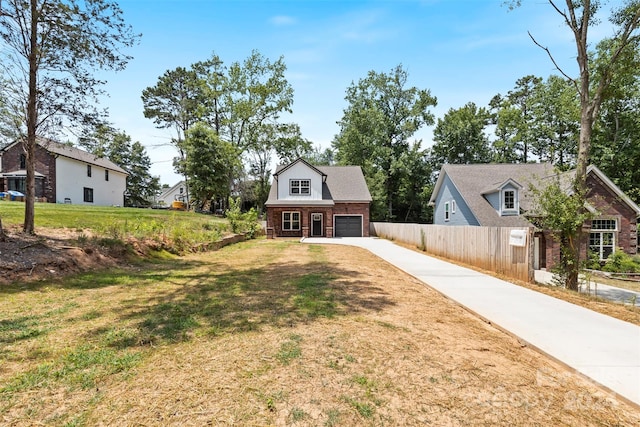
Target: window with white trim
[
  {"x": 290, "y": 221},
  {"x": 602, "y": 237},
  {"x": 508, "y": 200},
  {"x": 447, "y": 213},
  {"x": 299, "y": 187},
  {"x": 453, "y": 206}
]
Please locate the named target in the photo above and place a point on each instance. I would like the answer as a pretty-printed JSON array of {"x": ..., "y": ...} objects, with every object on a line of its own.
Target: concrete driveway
[{"x": 600, "y": 347}]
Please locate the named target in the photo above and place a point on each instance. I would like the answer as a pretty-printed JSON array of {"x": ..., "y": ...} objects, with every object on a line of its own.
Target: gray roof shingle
[
  {"x": 346, "y": 183},
  {"x": 475, "y": 181},
  {"x": 342, "y": 184},
  {"x": 81, "y": 155}
]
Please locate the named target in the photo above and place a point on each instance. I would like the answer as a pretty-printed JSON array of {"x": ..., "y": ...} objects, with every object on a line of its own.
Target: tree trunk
[
  {"x": 580, "y": 190},
  {"x": 32, "y": 123},
  {"x": 588, "y": 111},
  {"x": 3, "y": 236},
  {"x": 572, "y": 265}
]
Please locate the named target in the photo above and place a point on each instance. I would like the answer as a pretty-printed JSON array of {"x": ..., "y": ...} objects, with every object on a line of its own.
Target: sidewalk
[
  {"x": 600, "y": 347},
  {"x": 601, "y": 290}
]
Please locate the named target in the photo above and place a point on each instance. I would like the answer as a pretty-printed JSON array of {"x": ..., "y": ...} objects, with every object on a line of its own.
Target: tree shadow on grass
[
  {"x": 138, "y": 274},
  {"x": 206, "y": 298},
  {"x": 216, "y": 301}
]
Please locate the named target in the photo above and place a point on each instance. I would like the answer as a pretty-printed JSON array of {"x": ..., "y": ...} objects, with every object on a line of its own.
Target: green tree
[
  {"x": 282, "y": 140},
  {"x": 523, "y": 98},
  {"x": 142, "y": 187},
  {"x": 50, "y": 51},
  {"x": 210, "y": 163},
  {"x": 319, "y": 157},
  {"x": 508, "y": 122},
  {"x": 592, "y": 85},
  {"x": 616, "y": 135},
  {"x": 556, "y": 122},
  {"x": 216, "y": 85},
  {"x": 257, "y": 94},
  {"x": 242, "y": 103},
  {"x": 459, "y": 137},
  {"x": 555, "y": 210},
  {"x": 382, "y": 114},
  {"x": 416, "y": 186},
  {"x": 177, "y": 101}
]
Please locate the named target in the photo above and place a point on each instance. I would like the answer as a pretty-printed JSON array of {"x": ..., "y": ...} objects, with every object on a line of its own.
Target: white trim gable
[
  {"x": 509, "y": 198},
  {"x": 299, "y": 174}
]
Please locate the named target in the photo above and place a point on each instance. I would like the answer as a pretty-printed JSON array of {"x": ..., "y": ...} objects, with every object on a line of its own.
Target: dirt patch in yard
[
  {"x": 50, "y": 254},
  {"x": 280, "y": 333}
]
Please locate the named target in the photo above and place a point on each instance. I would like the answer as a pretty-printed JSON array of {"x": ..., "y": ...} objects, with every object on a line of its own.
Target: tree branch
[
  {"x": 561, "y": 13},
  {"x": 546, "y": 49}
]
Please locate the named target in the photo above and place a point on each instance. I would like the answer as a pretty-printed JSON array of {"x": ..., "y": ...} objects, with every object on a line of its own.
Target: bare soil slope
[{"x": 51, "y": 253}]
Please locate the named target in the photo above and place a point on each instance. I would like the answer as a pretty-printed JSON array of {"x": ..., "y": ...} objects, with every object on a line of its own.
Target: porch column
[{"x": 305, "y": 222}]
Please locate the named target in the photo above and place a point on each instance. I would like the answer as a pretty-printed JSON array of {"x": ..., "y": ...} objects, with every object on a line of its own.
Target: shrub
[
  {"x": 621, "y": 262},
  {"x": 234, "y": 215},
  {"x": 242, "y": 222}
]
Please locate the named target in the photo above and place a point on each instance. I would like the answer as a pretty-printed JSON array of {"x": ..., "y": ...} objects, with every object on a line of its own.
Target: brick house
[
  {"x": 499, "y": 195},
  {"x": 64, "y": 174},
  {"x": 318, "y": 201}
]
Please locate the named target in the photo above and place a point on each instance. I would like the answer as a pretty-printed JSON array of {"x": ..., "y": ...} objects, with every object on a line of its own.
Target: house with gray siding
[{"x": 500, "y": 195}]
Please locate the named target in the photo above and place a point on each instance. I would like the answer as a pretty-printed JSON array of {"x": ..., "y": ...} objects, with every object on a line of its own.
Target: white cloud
[
  {"x": 282, "y": 20},
  {"x": 364, "y": 26}
]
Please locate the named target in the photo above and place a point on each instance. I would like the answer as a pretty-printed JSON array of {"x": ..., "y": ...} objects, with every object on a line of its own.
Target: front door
[{"x": 316, "y": 224}]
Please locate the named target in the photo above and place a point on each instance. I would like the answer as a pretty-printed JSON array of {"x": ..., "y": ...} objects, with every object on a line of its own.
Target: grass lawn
[
  {"x": 83, "y": 217},
  {"x": 176, "y": 231},
  {"x": 272, "y": 333}
]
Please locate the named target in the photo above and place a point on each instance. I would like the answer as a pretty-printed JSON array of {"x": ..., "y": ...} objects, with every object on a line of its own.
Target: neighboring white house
[
  {"x": 177, "y": 192},
  {"x": 65, "y": 174},
  {"x": 94, "y": 183}
]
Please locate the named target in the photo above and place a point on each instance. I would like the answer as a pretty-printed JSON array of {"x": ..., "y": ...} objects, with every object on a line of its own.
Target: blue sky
[{"x": 461, "y": 50}]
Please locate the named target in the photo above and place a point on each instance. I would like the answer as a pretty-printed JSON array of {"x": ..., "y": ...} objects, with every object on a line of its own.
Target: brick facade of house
[
  {"x": 274, "y": 219},
  {"x": 609, "y": 206},
  {"x": 45, "y": 164}
]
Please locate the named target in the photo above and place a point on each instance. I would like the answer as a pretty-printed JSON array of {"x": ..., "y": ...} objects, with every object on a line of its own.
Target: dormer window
[
  {"x": 299, "y": 187},
  {"x": 508, "y": 200},
  {"x": 505, "y": 199}
]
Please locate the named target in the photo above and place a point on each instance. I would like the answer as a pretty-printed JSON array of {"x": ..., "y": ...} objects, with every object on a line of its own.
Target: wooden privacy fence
[{"x": 488, "y": 248}]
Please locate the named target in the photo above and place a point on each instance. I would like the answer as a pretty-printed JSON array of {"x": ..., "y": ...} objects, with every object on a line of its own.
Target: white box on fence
[{"x": 518, "y": 238}]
